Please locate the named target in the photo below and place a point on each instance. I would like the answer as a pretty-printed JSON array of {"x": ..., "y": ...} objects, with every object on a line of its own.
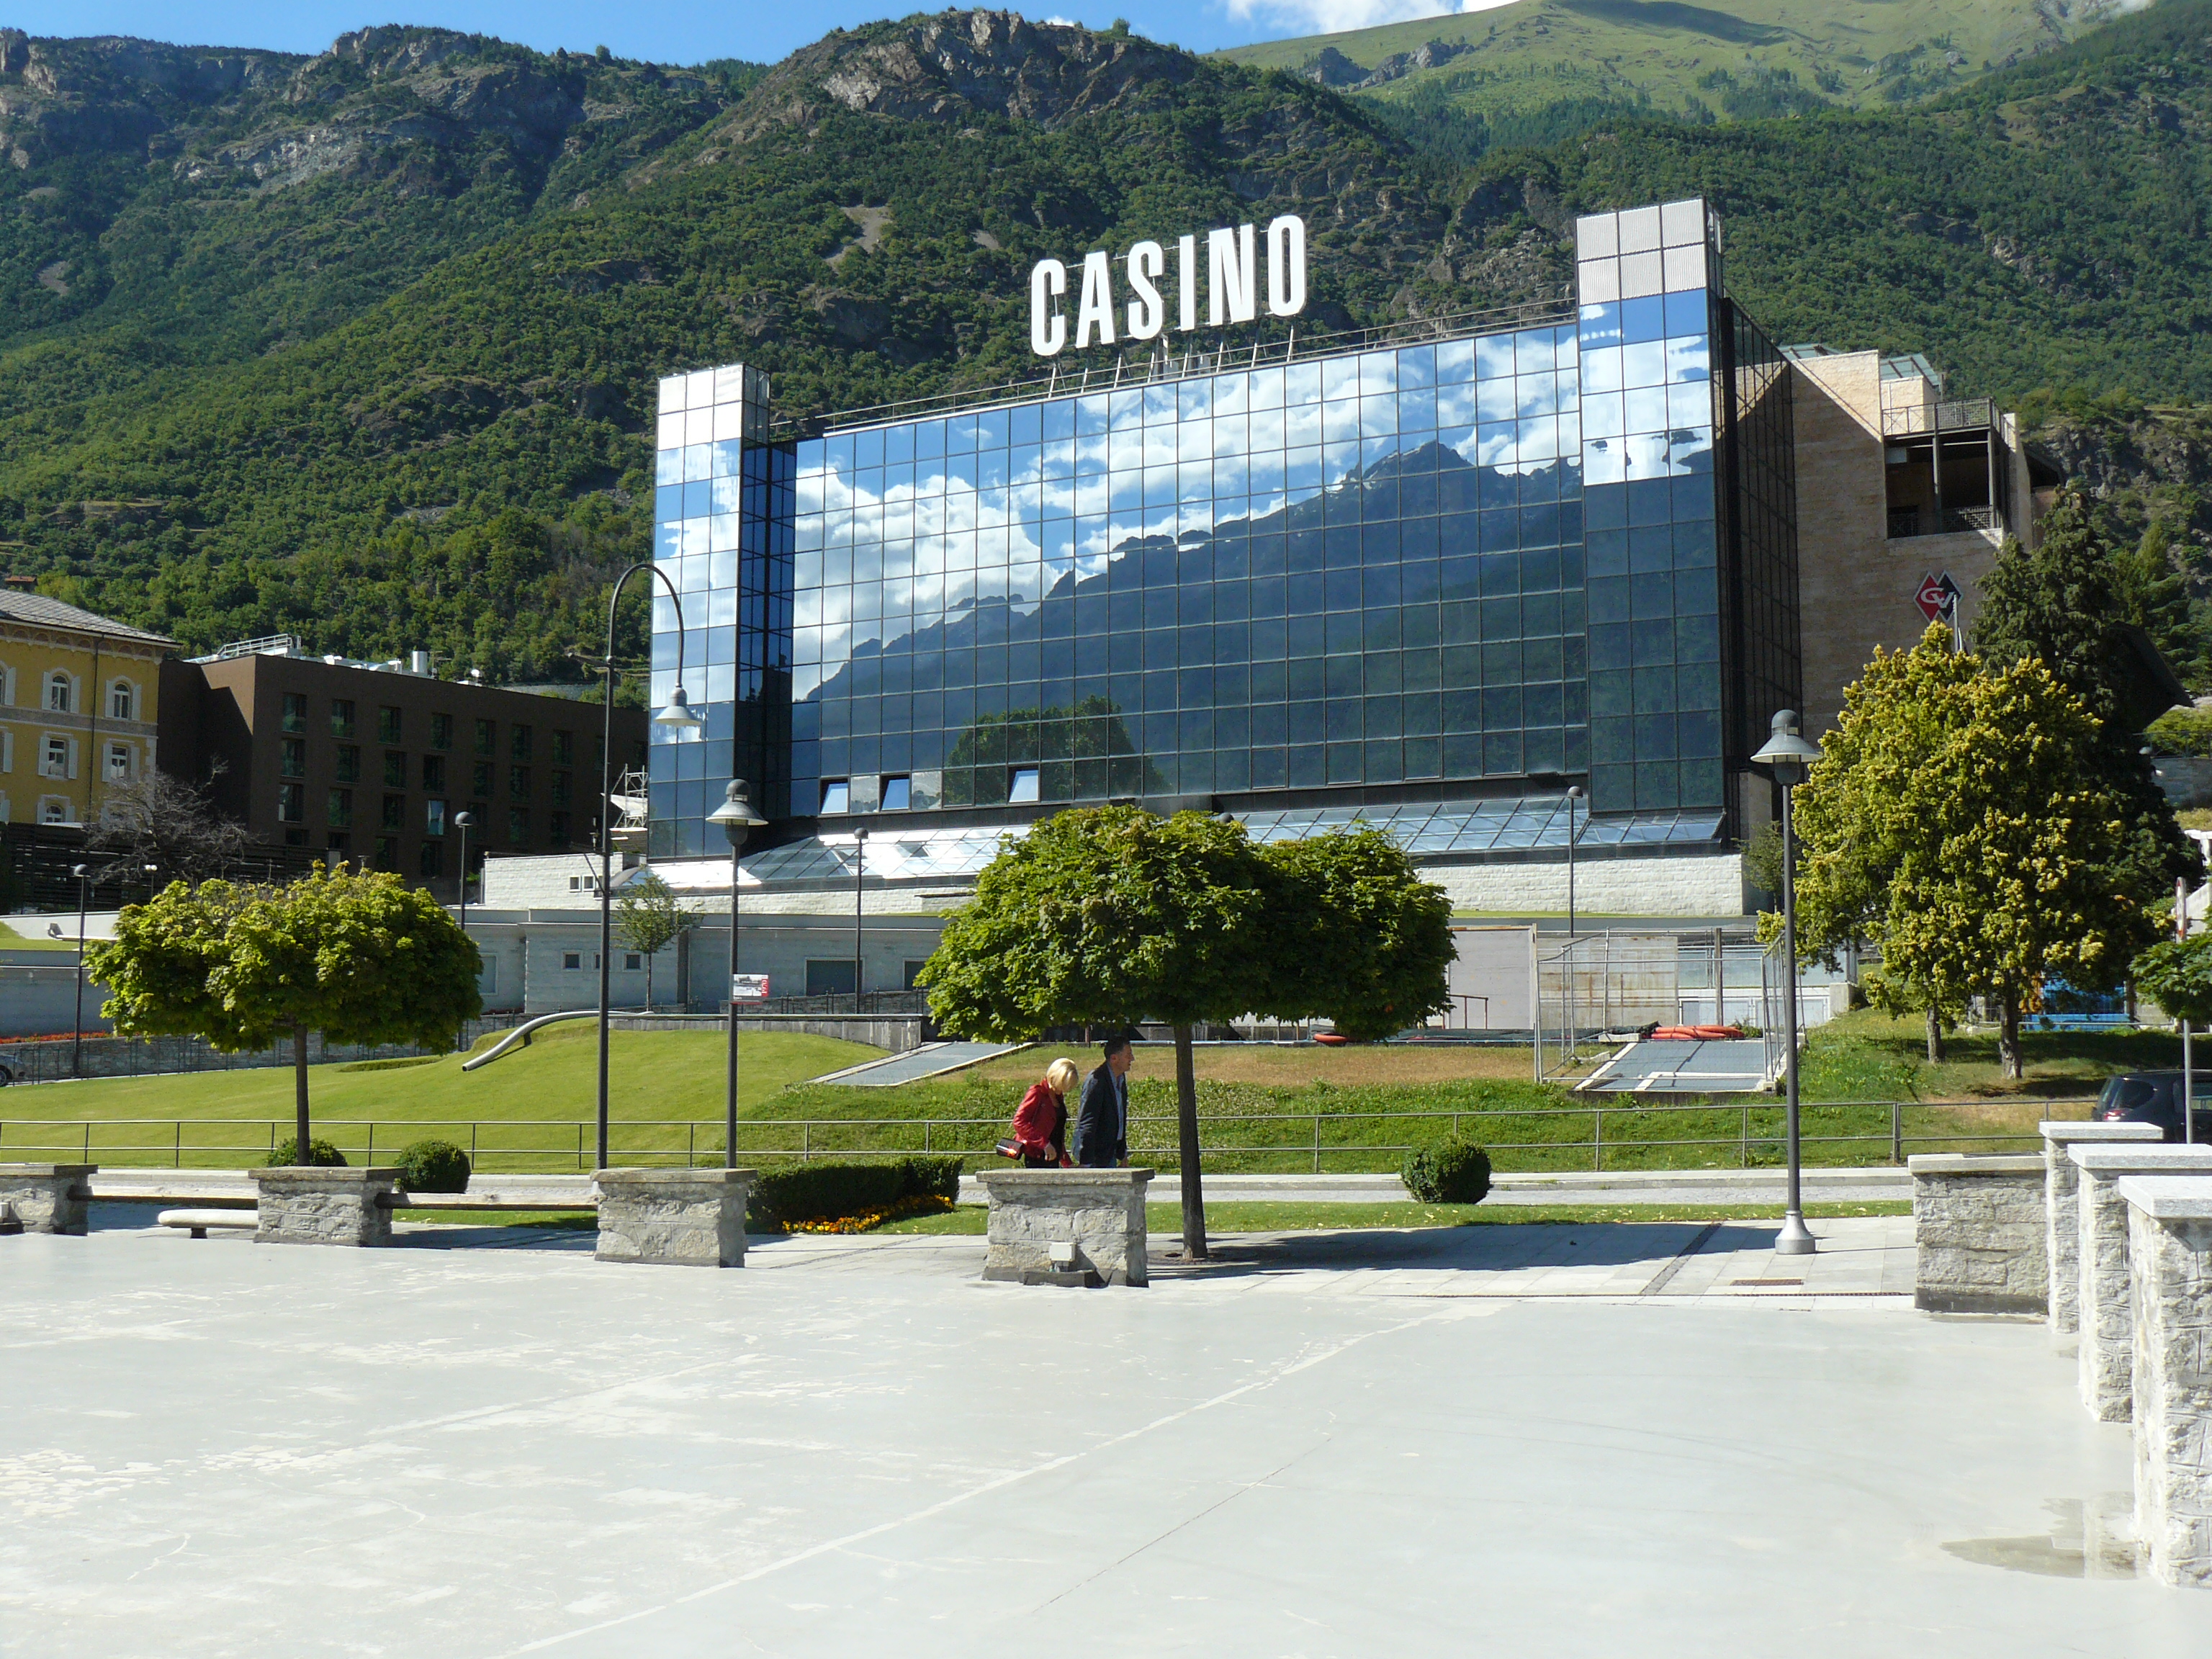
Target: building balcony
[{"x": 1905, "y": 523}]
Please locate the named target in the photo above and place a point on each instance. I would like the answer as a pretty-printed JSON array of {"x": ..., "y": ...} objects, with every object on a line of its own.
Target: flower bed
[{"x": 920, "y": 1204}]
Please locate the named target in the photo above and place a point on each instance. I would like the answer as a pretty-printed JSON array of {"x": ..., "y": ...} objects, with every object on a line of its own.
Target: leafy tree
[
  {"x": 1361, "y": 939},
  {"x": 359, "y": 957},
  {"x": 2177, "y": 974},
  {"x": 649, "y": 918},
  {"x": 1959, "y": 817},
  {"x": 1101, "y": 916}
]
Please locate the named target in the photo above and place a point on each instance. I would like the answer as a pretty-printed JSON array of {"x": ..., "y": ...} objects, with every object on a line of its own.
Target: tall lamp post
[
  {"x": 83, "y": 874},
  {"x": 1574, "y": 833},
  {"x": 860, "y": 864},
  {"x": 739, "y": 820},
  {"x": 677, "y": 717},
  {"x": 464, "y": 821},
  {"x": 1789, "y": 755}
]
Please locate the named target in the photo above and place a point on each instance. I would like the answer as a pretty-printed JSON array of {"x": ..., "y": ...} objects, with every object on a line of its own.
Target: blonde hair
[{"x": 1059, "y": 1076}]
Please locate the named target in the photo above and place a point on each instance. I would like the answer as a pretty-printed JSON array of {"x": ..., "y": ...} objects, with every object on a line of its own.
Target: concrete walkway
[{"x": 1548, "y": 1440}]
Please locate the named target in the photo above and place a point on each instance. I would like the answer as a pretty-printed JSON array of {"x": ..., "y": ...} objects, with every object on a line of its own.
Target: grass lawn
[
  {"x": 1241, "y": 1217},
  {"x": 1290, "y": 1108},
  {"x": 1867, "y": 1055},
  {"x": 531, "y": 1106}
]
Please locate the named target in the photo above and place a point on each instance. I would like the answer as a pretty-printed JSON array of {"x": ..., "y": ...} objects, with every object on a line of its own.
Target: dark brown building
[{"x": 372, "y": 762}]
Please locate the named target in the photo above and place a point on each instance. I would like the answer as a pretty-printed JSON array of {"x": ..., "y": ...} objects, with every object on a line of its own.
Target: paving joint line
[{"x": 1666, "y": 1274}]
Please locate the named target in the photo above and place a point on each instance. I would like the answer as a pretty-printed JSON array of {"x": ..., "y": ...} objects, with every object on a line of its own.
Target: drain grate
[{"x": 1766, "y": 1284}]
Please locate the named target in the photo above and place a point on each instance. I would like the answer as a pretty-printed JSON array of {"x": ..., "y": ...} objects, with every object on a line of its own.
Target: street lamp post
[
  {"x": 463, "y": 822},
  {"x": 83, "y": 873},
  {"x": 678, "y": 716},
  {"x": 860, "y": 864},
  {"x": 1574, "y": 1042},
  {"x": 739, "y": 820},
  {"x": 1788, "y": 755}
]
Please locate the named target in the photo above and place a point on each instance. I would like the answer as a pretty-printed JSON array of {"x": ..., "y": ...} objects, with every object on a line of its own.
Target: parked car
[{"x": 2155, "y": 1097}]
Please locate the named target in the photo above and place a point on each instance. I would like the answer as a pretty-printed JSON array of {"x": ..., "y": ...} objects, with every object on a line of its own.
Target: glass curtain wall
[{"x": 1357, "y": 570}]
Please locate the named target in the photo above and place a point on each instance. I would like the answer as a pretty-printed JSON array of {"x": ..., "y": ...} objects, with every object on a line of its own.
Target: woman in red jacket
[{"x": 1041, "y": 1121}]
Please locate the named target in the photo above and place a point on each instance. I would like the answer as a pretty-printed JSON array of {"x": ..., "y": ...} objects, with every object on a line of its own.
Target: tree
[
  {"x": 1961, "y": 817},
  {"x": 163, "y": 821},
  {"x": 359, "y": 957},
  {"x": 1360, "y": 938},
  {"x": 1103, "y": 915},
  {"x": 649, "y": 918},
  {"x": 2177, "y": 974}
]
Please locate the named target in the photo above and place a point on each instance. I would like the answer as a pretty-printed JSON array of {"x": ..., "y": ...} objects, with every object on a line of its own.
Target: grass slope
[
  {"x": 1851, "y": 52},
  {"x": 1262, "y": 1110}
]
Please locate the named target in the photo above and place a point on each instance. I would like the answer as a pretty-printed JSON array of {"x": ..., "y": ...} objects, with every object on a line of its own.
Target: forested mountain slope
[{"x": 363, "y": 345}]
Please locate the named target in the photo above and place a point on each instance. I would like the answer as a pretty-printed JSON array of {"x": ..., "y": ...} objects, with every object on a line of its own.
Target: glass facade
[{"x": 1460, "y": 568}]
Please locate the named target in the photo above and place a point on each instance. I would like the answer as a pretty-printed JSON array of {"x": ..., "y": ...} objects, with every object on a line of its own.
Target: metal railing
[
  {"x": 1952, "y": 415},
  {"x": 1744, "y": 1134},
  {"x": 1161, "y": 365},
  {"x": 1905, "y": 523}
]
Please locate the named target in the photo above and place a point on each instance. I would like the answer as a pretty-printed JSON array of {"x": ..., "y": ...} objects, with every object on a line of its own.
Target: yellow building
[{"x": 77, "y": 696}]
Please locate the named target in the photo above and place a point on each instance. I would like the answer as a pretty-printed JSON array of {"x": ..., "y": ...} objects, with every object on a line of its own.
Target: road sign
[
  {"x": 1938, "y": 596},
  {"x": 748, "y": 988}
]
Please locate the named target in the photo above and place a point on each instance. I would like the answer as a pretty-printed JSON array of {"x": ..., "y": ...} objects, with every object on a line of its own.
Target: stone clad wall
[
  {"x": 2062, "y": 1193},
  {"x": 1979, "y": 1224},
  {"x": 2172, "y": 1294},
  {"x": 307, "y": 1205}
]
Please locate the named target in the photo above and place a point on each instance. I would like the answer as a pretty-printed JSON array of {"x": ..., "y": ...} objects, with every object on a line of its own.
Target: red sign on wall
[{"x": 1937, "y": 598}]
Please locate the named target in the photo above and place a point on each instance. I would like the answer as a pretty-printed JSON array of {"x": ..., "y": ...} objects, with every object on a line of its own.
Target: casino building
[{"x": 1432, "y": 576}]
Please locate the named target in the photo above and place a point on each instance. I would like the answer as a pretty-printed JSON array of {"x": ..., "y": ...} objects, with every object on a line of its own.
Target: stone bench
[
  {"x": 2170, "y": 1256},
  {"x": 682, "y": 1217},
  {"x": 197, "y": 1222},
  {"x": 1066, "y": 1227},
  {"x": 1978, "y": 1226},
  {"x": 2106, "y": 1359},
  {"x": 2063, "y": 1223},
  {"x": 45, "y": 1198}
]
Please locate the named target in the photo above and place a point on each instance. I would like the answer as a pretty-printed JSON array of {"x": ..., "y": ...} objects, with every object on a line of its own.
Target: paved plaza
[{"x": 1639, "y": 1439}]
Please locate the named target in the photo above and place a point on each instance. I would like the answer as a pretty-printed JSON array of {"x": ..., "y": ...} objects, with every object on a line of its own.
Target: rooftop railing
[{"x": 1963, "y": 415}]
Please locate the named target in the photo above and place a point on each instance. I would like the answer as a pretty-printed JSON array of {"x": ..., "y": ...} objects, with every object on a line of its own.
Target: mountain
[
  {"x": 1542, "y": 70},
  {"x": 362, "y": 345}
]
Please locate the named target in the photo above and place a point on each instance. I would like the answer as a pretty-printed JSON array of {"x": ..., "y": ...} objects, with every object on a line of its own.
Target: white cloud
[{"x": 1335, "y": 16}]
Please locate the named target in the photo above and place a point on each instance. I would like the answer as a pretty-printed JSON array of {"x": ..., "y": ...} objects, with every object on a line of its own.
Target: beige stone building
[{"x": 1897, "y": 485}]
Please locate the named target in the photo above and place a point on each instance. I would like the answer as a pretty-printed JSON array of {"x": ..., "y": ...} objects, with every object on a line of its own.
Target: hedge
[{"x": 823, "y": 1192}]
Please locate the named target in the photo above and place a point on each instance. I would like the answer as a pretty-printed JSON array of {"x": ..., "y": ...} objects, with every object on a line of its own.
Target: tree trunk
[
  {"x": 1193, "y": 1195},
  {"x": 1934, "y": 1035},
  {"x": 648, "y": 981},
  {"x": 2009, "y": 1036},
  {"x": 302, "y": 1152}
]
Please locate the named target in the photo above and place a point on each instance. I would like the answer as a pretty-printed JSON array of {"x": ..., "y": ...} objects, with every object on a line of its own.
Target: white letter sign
[{"x": 1233, "y": 255}]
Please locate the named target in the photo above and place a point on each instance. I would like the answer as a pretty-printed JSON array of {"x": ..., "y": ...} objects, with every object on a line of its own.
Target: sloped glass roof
[{"x": 1425, "y": 829}]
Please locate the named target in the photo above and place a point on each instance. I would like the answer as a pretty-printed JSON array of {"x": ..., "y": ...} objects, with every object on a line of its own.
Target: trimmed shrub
[
  {"x": 433, "y": 1166},
  {"x": 320, "y": 1153},
  {"x": 1452, "y": 1171},
  {"x": 931, "y": 1177},
  {"x": 816, "y": 1192}
]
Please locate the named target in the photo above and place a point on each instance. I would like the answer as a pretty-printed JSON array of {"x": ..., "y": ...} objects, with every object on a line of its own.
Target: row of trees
[
  {"x": 1987, "y": 818},
  {"x": 1101, "y": 916}
]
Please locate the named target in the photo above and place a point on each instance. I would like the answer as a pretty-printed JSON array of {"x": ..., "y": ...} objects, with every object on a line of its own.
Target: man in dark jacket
[{"x": 1102, "y": 1123}]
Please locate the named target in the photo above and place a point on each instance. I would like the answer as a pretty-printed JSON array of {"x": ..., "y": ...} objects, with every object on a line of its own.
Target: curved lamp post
[
  {"x": 83, "y": 874},
  {"x": 464, "y": 821},
  {"x": 677, "y": 717},
  {"x": 739, "y": 820},
  {"x": 1574, "y": 834},
  {"x": 1788, "y": 755}
]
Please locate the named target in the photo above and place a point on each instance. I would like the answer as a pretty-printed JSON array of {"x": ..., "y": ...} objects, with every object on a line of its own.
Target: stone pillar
[
  {"x": 1978, "y": 1224},
  {"x": 306, "y": 1206},
  {"x": 45, "y": 1198},
  {"x": 2170, "y": 1250},
  {"x": 1095, "y": 1218},
  {"x": 685, "y": 1217},
  {"x": 2062, "y": 1231},
  {"x": 2106, "y": 1359}
]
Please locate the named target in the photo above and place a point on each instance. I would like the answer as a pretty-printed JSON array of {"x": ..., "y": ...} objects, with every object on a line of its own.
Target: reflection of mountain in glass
[
  {"x": 1079, "y": 662},
  {"x": 1081, "y": 753}
]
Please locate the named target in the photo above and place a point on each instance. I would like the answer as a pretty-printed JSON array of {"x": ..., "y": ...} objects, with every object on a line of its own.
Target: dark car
[{"x": 2155, "y": 1097}]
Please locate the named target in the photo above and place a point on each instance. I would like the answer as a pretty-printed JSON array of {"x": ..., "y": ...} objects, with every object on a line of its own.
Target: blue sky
[{"x": 668, "y": 32}]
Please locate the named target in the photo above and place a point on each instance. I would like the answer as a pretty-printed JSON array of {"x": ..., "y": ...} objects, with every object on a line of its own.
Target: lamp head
[
  {"x": 736, "y": 813},
  {"x": 80, "y": 871},
  {"x": 464, "y": 820},
  {"x": 1574, "y": 791},
  {"x": 1786, "y": 752},
  {"x": 678, "y": 715}
]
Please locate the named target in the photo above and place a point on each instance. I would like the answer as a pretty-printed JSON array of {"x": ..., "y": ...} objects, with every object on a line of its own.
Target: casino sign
[{"x": 1231, "y": 262}]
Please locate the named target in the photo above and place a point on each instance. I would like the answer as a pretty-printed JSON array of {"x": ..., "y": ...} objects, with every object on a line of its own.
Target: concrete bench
[
  {"x": 2106, "y": 1359},
  {"x": 1978, "y": 1226},
  {"x": 2060, "y": 1186},
  {"x": 2170, "y": 1279},
  {"x": 198, "y": 1222},
  {"x": 1066, "y": 1227}
]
